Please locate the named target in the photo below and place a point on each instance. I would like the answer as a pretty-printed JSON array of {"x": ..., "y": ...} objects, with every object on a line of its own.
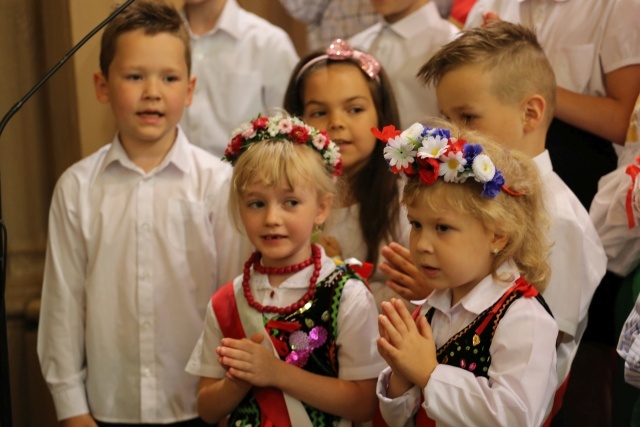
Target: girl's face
[
  {"x": 337, "y": 99},
  {"x": 451, "y": 249},
  {"x": 279, "y": 220}
]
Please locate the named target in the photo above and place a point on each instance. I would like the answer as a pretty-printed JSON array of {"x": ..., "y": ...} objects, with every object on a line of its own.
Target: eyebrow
[{"x": 353, "y": 98}]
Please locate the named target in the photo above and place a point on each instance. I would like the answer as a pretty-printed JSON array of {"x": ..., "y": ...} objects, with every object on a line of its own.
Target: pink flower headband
[
  {"x": 285, "y": 127},
  {"x": 430, "y": 153},
  {"x": 339, "y": 50}
]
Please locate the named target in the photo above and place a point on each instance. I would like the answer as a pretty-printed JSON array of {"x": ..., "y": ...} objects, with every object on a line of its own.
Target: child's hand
[
  {"x": 408, "y": 348},
  {"x": 247, "y": 360},
  {"x": 404, "y": 276},
  {"x": 84, "y": 420},
  {"x": 330, "y": 245}
]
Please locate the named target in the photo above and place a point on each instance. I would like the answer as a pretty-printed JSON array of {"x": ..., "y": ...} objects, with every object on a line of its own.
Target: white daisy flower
[
  {"x": 452, "y": 164},
  {"x": 432, "y": 146},
  {"x": 413, "y": 133},
  {"x": 399, "y": 152},
  {"x": 483, "y": 168},
  {"x": 331, "y": 153},
  {"x": 273, "y": 129}
]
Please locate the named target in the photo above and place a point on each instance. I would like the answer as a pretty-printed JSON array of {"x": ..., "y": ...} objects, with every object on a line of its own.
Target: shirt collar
[
  {"x": 543, "y": 161},
  {"x": 485, "y": 294},
  {"x": 228, "y": 21},
  {"x": 413, "y": 24},
  {"x": 176, "y": 156}
]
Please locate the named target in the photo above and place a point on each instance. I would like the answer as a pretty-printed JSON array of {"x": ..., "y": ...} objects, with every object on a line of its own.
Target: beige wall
[{"x": 59, "y": 125}]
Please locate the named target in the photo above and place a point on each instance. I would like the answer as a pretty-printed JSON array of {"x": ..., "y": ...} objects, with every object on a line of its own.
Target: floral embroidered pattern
[{"x": 302, "y": 345}]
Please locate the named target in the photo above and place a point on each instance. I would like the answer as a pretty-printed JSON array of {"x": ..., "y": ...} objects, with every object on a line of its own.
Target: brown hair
[
  {"x": 151, "y": 16},
  {"x": 375, "y": 189},
  {"x": 522, "y": 218},
  {"x": 512, "y": 54}
]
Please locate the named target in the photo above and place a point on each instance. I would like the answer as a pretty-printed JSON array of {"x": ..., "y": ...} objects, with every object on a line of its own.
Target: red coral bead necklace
[{"x": 254, "y": 260}]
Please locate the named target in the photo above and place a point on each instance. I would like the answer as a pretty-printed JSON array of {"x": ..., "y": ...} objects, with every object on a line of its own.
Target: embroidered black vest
[
  {"x": 312, "y": 347},
  {"x": 469, "y": 348}
]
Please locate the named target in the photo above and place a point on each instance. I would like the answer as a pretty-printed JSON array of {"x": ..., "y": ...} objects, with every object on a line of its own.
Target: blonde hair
[
  {"x": 523, "y": 219},
  {"x": 275, "y": 161},
  {"x": 510, "y": 52}
]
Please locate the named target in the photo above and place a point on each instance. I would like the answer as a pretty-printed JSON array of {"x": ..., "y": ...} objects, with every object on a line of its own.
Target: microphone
[{"x": 5, "y": 392}]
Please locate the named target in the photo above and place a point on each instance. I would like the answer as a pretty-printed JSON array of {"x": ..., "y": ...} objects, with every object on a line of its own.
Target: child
[
  {"x": 593, "y": 48},
  {"x": 410, "y": 32},
  {"x": 131, "y": 250},
  {"x": 497, "y": 80},
  {"x": 482, "y": 349},
  {"x": 291, "y": 300},
  {"x": 242, "y": 63},
  {"x": 629, "y": 350},
  {"x": 345, "y": 92}
]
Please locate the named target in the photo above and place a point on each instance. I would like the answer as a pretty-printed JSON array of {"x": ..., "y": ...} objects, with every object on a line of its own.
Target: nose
[
  {"x": 151, "y": 88},
  {"x": 423, "y": 242},
  {"x": 336, "y": 121},
  {"x": 272, "y": 216}
]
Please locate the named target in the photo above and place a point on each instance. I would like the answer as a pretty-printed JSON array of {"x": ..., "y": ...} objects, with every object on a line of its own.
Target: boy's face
[
  {"x": 148, "y": 87},
  {"x": 395, "y": 10},
  {"x": 466, "y": 98}
]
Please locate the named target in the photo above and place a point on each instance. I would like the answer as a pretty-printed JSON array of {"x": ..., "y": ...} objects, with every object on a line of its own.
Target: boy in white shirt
[
  {"x": 242, "y": 63},
  {"x": 135, "y": 234}
]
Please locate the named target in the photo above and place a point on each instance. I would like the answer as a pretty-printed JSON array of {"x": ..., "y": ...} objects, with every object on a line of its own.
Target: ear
[
  {"x": 101, "y": 86},
  {"x": 535, "y": 107},
  {"x": 324, "y": 209},
  {"x": 499, "y": 241},
  {"x": 190, "y": 89}
]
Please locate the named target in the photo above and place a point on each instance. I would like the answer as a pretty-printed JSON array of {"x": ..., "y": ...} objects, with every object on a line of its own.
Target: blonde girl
[{"x": 291, "y": 342}]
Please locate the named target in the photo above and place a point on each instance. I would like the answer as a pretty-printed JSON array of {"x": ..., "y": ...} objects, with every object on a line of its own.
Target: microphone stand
[{"x": 5, "y": 391}]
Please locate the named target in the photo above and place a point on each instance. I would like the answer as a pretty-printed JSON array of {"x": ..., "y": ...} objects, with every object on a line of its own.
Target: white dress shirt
[
  {"x": 583, "y": 39},
  {"x": 344, "y": 225},
  {"x": 358, "y": 355},
  {"x": 522, "y": 374},
  {"x": 578, "y": 262},
  {"x": 242, "y": 68},
  {"x": 330, "y": 19},
  {"x": 608, "y": 213},
  {"x": 403, "y": 48},
  {"x": 132, "y": 259},
  {"x": 629, "y": 346}
]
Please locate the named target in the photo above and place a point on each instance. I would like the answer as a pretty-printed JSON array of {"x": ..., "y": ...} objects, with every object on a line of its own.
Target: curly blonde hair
[{"x": 523, "y": 219}]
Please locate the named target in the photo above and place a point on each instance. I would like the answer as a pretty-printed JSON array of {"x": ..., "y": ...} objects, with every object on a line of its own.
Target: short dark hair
[{"x": 151, "y": 16}]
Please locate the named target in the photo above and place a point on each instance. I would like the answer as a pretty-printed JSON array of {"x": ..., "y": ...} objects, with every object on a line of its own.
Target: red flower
[
  {"x": 409, "y": 171},
  {"x": 261, "y": 123},
  {"x": 337, "y": 167},
  {"x": 299, "y": 134},
  {"x": 234, "y": 146},
  {"x": 388, "y": 132},
  {"x": 429, "y": 168},
  {"x": 455, "y": 146}
]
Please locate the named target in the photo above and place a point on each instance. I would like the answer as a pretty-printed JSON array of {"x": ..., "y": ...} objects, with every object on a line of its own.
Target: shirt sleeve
[
  {"x": 629, "y": 346},
  {"x": 397, "y": 412},
  {"x": 62, "y": 326},
  {"x": 204, "y": 359},
  {"x": 609, "y": 215},
  {"x": 277, "y": 72},
  {"x": 521, "y": 378},
  {"x": 357, "y": 334}
]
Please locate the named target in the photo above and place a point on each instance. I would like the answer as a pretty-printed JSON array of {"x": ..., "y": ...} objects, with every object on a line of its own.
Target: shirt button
[
  {"x": 145, "y": 226},
  {"x": 146, "y": 372},
  {"x": 146, "y": 324}
]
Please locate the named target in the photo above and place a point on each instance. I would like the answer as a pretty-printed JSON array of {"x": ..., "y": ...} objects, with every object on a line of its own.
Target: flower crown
[
  {"x": 340, "y": 50},
  {"x": 282, "y": 126},
  {"x": 430, "y": 153}
]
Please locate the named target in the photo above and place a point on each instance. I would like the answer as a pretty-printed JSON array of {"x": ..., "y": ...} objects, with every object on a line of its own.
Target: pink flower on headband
[{"x": 340, "y": 50}]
